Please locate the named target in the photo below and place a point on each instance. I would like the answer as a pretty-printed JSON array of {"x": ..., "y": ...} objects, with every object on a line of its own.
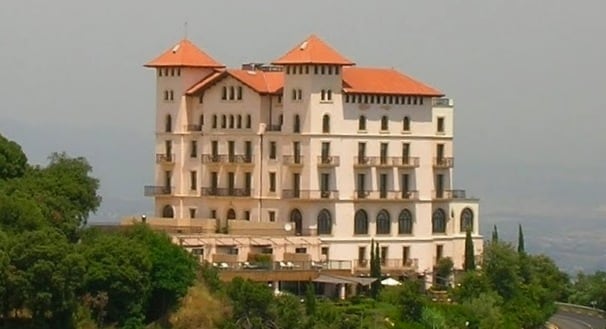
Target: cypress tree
[
  {"x": 375, "y": 268},
  {"x": 521, "y": 249},
  {"x": 470, "y": 262},
  {"x": 495, "y": 234}
]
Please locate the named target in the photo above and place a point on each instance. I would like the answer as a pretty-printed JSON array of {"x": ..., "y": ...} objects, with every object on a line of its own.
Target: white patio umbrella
[{"x": 391, "y": 282}]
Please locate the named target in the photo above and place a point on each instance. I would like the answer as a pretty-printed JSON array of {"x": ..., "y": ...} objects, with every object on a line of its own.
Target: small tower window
[
  {"x": 326, "y": 123},
  {"x": 329, "y": 94},
  {"x": 160, "y": 72},
  {"x": 239, "y": 95},
  {"x": 336, "y": 69},
  {"x": 214, "y": 121},
  {"x": 231, "y": 122},
  {"x": 223, "y": 121},
  {"x": 166, "y": 95},
  {"x": 297, "y": 124},
  {"x": 231, "y": 93},
  {"x": 299, "y": 94},
  {"x": 172, "y": 95},
  {"x": 224, "y": 93},
  {"x": 362, "y": 123},
  {"x": 248, "y": 121},
  {"x": 239, "y": 125},
  {"x": 384, "y": 123},
  {"x": 406, "y": 124},
  {"x": 323, "y": 95},
  {"x": 294, "y": 94},
  {"x": 168, "y": 127}
]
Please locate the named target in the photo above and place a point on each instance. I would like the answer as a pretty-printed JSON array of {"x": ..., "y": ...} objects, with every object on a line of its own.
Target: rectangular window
[
  {"x": 213, "y": 213},
  {"x": 439, "y": 186},
  {"x": 272, "y": 216},
  {"x": 301, "y": 250},
  {"x": 168, "y": 150},
  {"x": 440, "y": 152},
  {"x": 405, "y": 184},
  {"x": 384, "y": 255},
  {"x": 231, "y": 182},
  {"x": 383, "y": 157},
  {"x": 362, "y": 256},
  {"x": 214, "y": 121},
  {"x": 325, "y": 252},
  {"x": 246, "y": 215},
  {"x": 325, "y": 184},
  {"x": 167, "y": 180},
  {"x": 325, "y": 152},
  {"x": 248, "y": 183},
  {"x": 248, "y": 151},
  {"x": 214, "y": 180},
  {"x": 440, "y": 124},
  {"x": 193, "y": 149},
  {"x": 361, "y": 153},
  {"x": 272, "y": 150},
  {"x": 214, "y": 149},
  {"x": 192, "y": 212},
  {"x": 272, "y": 182},
  {"x": 296, "y": 184},
  {"x": 405, "y": 255},
  {"x": 439, "y": 252},
  {"x": 405, "y": 153},
  {"x": 296, "y": 146},
  {"x": 231, "y": 151},
  {"x": 193, "y": 183},
  {"x": 383, "y": 186},
  {"x": 361, "y": 185}
]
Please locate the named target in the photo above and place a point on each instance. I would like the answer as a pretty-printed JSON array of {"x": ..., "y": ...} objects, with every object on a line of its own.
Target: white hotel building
[{"x": 312, "y": 150}]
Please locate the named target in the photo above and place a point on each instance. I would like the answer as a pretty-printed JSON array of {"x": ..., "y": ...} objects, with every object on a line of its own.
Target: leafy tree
[
  {"x": 20, "y": 213},
  {"x": 470, "y": 262},
  {"x": 251, "y": 304},
  {"x": 471, "y": 285},
  {"x": 13, "y": 162},
  {"x": 120, "y": 268},
  {"x": 173, "y": 269},
  {"x": 189, "y": 314},
  {"x": 52, "y": 271},
  {"x": 501, "y": 268},
  {"x": 588, "y": 290},
  {"x": 433, "y": 319},
  {"x": 484, "y": 312},
  {"x": 520, "y": 239}
]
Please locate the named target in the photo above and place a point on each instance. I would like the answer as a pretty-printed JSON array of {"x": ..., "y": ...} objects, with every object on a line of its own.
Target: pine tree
[
  {"x": 495, "y": 234},
  {"x": 521, "y": 249},
  {"x": 470, "y": 262}
]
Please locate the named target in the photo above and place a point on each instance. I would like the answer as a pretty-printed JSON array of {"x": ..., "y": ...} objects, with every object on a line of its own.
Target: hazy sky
[{"x": 528, "y": 79}]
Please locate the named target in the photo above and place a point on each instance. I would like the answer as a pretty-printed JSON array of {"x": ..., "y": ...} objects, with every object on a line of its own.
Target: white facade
[{"x": 363, "y": 169}]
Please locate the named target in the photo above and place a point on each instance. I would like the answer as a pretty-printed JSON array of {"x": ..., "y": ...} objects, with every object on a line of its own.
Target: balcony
[
  {"x": 292, "y": 160},
  {"x": 165, "y": 159},
  {"x": 273, "y": 128},
  {"x": 328, "y": 161},
  {"x": 152, "y": 190},
  {"x": 406, "y": 162},
  {"x": 443, "y": 163},
  {"x": 310, "y": 194},
  {"x": 364, "y": 161},
  {"x": 225, "y": 192},
  {"x": 193, "y": 128},
  {"x": 385, "y": 195},
  {"x": 388, "y": 265},
  {"x": 227, "y": 159},
  {"x": 449, "y": 194}
]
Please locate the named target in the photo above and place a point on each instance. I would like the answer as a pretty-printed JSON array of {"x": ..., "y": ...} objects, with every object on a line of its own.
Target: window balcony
[
  {"x": 310, "y": 194},
  {"x": 273, "y": 128},
  {"x": 292, "y": 160},
  {"x": 388, "y": 265},
  {"x": 193, "y": 128},
  {"x": 227, "y": 159},
  {"x": 385, "y": 195},
  {"x": 225, "y": 192},
  {"x": 328, "y": 161},
  {"x": 153, "y": 190},
  {"x": 165, "y": 159},
  {"x": 443, "y": 163},
  {"x": 406, "y": 162},
  {"x": 364, "y": 161},
  {"x": 449, "y": 194}
]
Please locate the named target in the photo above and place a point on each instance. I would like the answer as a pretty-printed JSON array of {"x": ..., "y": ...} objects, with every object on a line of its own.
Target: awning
[{"x": 337, "y": 279}]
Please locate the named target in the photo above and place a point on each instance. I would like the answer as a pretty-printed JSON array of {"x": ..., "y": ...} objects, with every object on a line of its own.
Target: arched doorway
[
  {"x": 297, "y": 218},
  {"x": 231, "y": 214}
]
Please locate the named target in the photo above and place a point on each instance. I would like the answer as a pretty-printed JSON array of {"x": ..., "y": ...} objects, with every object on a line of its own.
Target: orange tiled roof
[
  {"x": 313, "y": 51},
  {"x": 186, "y": 54},
  {"x": 383, "y": 81},
  {"x": 259, "y": 81}
]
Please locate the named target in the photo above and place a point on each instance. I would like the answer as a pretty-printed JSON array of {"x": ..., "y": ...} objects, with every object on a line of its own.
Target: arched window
[
  {"x": 231, "y": 122},
  {"x": 438, "y": 221},
  {"x": 324, "y": 222},
  {"x": 223, "y": 121},
  {"x": 239, "y": 121},
  {"x": 224, "y": 93},
  {"x": 325, "y": 123},
  {"x": 231, "y": 213},
  {"x": 362, "y": 123},
  {"x": 214, "y": 121},
  {"x": 405, "y": 222},
  {"x": 168, "y": 212},
  {"x": 168, "y": 127},
  {"x": 297, "y": 218},
  {"x": 406, "y": 124},
  {"x": 383, "y": 222},
  {"x": 329, "y": 94},
  {"x": 384, "y": 123},
  {"x": 466, "y": 220},
  {"x": 248, "y": 121},
  {"x": 361, "y": 222},
  {"x": 297, "y": 124}
]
